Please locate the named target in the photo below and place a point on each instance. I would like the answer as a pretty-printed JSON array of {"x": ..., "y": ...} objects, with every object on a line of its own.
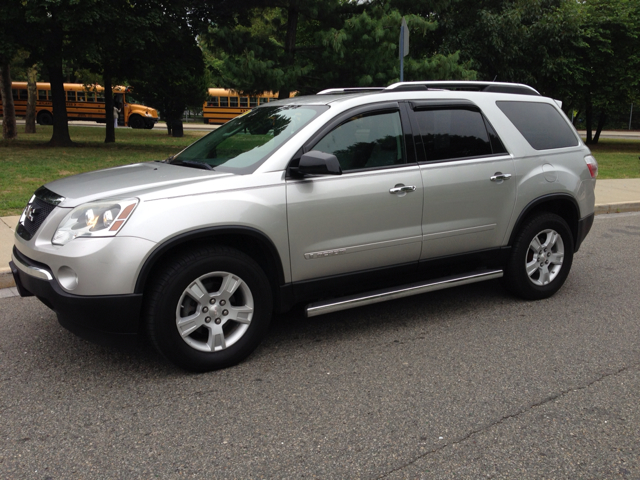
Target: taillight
[{"x": 592, "y": 164}]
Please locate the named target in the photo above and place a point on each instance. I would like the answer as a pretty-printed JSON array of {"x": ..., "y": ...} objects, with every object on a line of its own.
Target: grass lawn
[
  {"x": 617, "y": 158},
  {"x": 27, "y": 163}
]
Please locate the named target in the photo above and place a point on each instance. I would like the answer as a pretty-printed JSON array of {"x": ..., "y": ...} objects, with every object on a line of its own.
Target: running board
[{"x": 377, "y": 296}]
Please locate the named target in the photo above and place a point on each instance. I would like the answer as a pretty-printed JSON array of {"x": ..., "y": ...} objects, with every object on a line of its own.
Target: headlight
[{"x": 103, "y": 218}]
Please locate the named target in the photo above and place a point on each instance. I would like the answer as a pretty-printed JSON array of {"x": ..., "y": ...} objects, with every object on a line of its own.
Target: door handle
[
  {"x": 500, "y": 176},
  {"x": 402, "y": 189}
]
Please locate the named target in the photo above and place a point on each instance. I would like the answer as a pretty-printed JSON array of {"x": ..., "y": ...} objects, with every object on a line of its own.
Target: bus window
[
  {"x": 272, "y": 99},
  {"x": 244, "y": 102},
  {"x": 233, "y": 101},
  {"x": 253, "y": 102},
  {"x": 224, "y": 101},
  {"x": 213, "y": 102},
  {"x": 42, "y": 95},
  {"x": 264, "y": 100},
  {"x": 71, "y": 96},
  {"x": 80, "y": 96},
  {"x": 100, "y": 97},
  {"x": 91, "y": 96},
  {"x": 15, "y": 93}
]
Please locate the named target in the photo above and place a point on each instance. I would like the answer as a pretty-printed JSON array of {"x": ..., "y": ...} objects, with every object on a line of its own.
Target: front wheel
[
  {"x": 209, "y": 309},
  {"x": 541, "y": 258},
  {"x": 136, "y": 121}
]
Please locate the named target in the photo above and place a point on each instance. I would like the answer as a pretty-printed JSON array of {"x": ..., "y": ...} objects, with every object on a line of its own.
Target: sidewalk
[{"x": 612, "y": 196}]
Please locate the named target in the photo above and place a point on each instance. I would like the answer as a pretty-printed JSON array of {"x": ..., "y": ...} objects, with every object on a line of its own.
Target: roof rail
[
  {"x": 350, "y": 90},
  {"x": 472, "y": 86},
  {"x": 496, "y": 87}
]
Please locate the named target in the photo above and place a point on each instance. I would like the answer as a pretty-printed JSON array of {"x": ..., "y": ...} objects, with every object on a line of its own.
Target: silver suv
[{"x": 331, "y": 201}]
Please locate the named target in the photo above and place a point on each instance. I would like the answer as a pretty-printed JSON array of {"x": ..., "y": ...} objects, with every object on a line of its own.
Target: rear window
[{"x": 540, "y": 124}]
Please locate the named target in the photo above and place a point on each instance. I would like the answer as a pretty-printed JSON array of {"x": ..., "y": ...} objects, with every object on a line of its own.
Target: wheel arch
[
  {"x": 249, "y": 241},
  {"x": 563, "y": 205}
]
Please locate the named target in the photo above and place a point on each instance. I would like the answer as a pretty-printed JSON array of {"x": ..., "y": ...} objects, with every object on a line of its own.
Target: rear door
[{"x": 468, "y": 177}]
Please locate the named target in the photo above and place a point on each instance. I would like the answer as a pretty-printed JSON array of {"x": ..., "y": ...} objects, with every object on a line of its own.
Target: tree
[
  {"x": 310, "y": 46},
  {"x": 10, "y": 22},
  {"x": 610, "y": 56}
]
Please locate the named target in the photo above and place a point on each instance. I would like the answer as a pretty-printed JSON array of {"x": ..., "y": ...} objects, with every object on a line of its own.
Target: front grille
[{"x": 37, "y": 211}]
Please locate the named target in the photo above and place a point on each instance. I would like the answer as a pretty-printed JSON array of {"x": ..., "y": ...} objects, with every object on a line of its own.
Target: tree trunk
[
  {"x": 60, "y": 137},
  {"x": 601, "y": 120},
  {"x": 589, "y": 119},
  {"x": 110, "y": 136},
  {"x": 9, "y": 129},
  {"x": 32, "y": 96},
  {"x": 290, "y": 46}
]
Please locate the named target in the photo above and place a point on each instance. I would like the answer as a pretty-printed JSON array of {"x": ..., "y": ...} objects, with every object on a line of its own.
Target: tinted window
[
  {"x": 240, "y": 145},
  {"x": 366, "y": 142},
  {"x": 540, "y": 124},
  {"x": 454, "y": 133},
  {"x": 42, "y": 94},
  {"x": 71, "y": 96},
  {"x": 224, "y": 101}
]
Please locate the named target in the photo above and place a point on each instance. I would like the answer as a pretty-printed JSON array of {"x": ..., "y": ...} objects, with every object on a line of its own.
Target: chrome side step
[{"x": 377, "y": 296}]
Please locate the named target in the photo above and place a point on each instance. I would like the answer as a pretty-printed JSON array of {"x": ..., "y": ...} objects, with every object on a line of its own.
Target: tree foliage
[{"x": 334, "y": 43}]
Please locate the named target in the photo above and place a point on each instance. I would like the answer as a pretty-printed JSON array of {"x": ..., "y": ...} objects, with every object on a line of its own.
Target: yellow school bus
[
  {"x": 84, "y": 103},
  {"x": 223, "y": 105}
]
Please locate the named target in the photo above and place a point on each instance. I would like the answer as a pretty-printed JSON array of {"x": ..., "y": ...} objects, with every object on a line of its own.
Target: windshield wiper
[{"x": 194, "y": 164}]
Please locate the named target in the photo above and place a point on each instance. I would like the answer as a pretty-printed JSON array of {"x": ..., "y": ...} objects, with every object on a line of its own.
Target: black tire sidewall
[
  {"x": 162, "y": 312},
  {"x": 516, "y": 279}
]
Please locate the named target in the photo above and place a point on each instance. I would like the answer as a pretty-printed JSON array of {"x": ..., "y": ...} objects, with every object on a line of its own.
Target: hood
[{"x": 127, "y": 181}]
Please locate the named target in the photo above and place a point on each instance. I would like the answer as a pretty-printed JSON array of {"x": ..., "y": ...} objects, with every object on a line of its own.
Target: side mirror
[{"x": 319, "y": 163}]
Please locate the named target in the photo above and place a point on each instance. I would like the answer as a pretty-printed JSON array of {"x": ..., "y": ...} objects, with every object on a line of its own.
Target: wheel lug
[
  {"x": 212, "y": 301},
  {"x": 549, "y": 254},
  {"x": 207, "y": 320},
  {"x": 225, "y": 312},
  {"x": 218, "y": 321},
  {"x": 205, "y": 309},
  {"x": 222, "y": 302}
]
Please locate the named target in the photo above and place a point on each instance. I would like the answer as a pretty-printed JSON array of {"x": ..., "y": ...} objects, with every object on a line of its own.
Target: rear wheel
[
  {"x": 45, "y": 118},
  {"x": 541, "y": 259},
  {"x": 209, "y": 309}
]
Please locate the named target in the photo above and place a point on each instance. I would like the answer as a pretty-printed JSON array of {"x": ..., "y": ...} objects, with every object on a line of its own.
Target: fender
[
  {"x": 273, "y": 260},
  {"x": 564, "y": 205}
]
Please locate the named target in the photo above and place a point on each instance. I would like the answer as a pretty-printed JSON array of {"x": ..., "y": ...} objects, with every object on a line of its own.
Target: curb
[
  {"x": 621, "y": 207},
  {"x": 7, "y": 281}
]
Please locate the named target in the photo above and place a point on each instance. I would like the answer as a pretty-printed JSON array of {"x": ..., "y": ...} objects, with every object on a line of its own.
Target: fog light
[{"x": 67, "y": 278}]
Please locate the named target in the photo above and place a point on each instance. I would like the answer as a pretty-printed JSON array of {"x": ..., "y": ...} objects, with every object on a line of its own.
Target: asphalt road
[{"x": 462, "y": 383}]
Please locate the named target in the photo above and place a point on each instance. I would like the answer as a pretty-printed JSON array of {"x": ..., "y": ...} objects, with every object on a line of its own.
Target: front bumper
[{"x": 102, "y": 319}]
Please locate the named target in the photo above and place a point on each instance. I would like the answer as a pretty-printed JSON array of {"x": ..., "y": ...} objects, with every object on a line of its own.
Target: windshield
[{"x": 241, "y": 145}]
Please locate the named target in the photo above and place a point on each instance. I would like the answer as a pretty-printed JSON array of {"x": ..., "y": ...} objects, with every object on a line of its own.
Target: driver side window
[{"x": 366, "y": 141}]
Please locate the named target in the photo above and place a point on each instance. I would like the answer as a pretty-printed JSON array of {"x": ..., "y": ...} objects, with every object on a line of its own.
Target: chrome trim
[
  {"x": 403, "y": 189},
  {"x": 500, "y": 176},
  {"x": 361, "y": 248},
  {"x": 31, "y": 271},
  {"x": 461, "y": 231},
  {"x": 344, "y": 303}
]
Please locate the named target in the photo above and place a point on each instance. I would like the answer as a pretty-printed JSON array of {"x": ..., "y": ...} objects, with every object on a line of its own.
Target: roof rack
[
  {"x": 329, "y": 91},
  {"x": 493, "y": 87}
]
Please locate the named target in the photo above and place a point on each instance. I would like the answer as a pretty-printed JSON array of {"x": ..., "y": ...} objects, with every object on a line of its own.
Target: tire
[
  {"x": 45, "y": 118},
  {"x": 227, "y": 298},
  {"x": 136, "y": 121},
  {"x": 541, "y": 258}
]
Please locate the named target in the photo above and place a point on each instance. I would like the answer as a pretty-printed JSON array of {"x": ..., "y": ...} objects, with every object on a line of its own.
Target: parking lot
[{"x": 461, "y": 383}]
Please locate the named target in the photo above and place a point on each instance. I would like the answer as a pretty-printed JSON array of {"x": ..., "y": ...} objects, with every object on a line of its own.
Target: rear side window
[
  {"x": 540, "y": 124},
  {"x": 456, "y": 133}
]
